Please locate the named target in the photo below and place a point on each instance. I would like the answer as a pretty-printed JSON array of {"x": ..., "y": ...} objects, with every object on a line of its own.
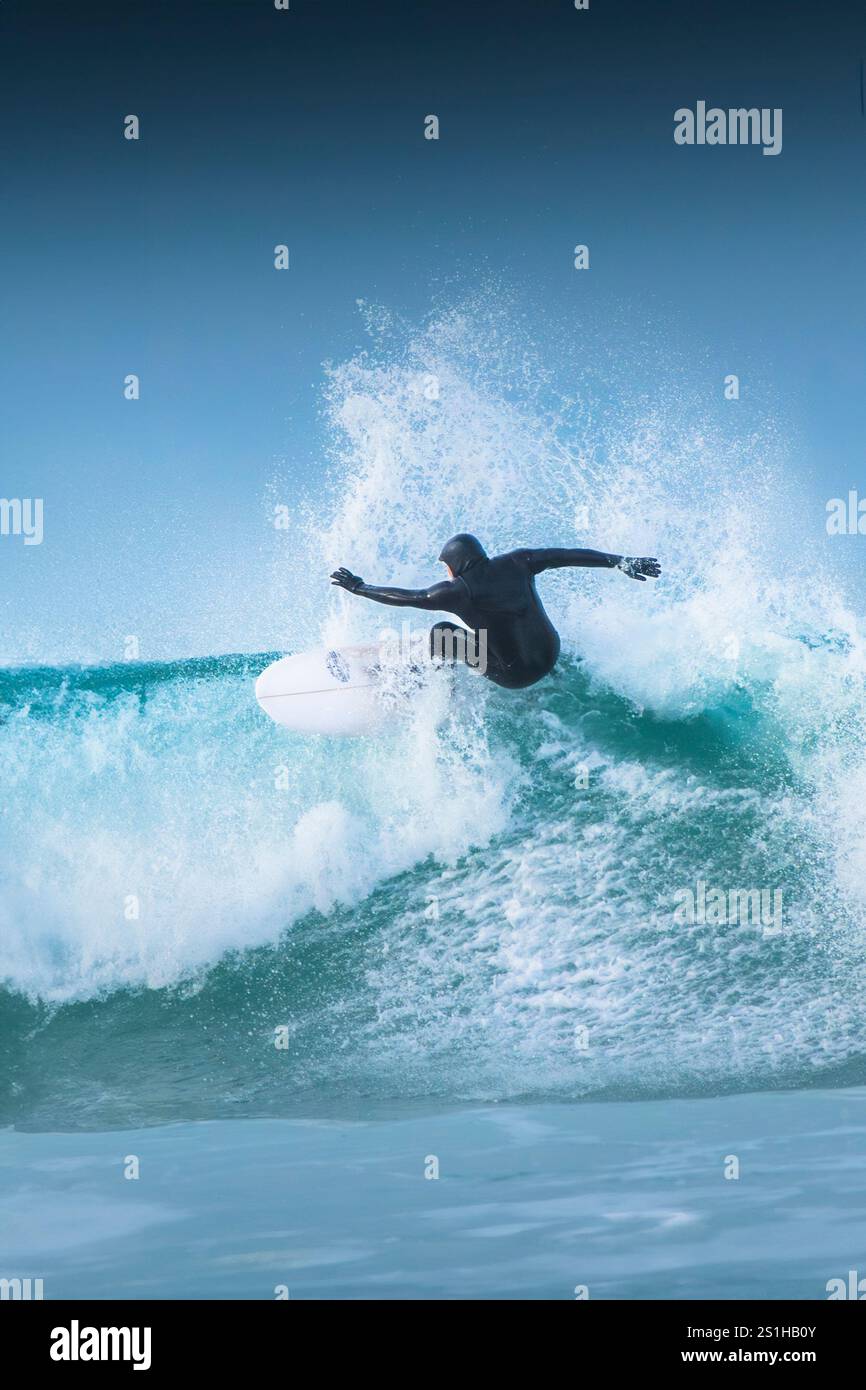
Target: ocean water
[
  {"x": 624, "y": 1201},
  {"x": 468, "y": 928}
]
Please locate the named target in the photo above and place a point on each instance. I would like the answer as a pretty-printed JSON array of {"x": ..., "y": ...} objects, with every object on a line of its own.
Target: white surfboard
[{"x": 336, "y": 691}]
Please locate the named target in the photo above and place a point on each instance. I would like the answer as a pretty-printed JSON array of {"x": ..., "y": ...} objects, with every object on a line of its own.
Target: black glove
[
  {"x": 345, "y": 579},
  {"x": 642, "y": 569}
]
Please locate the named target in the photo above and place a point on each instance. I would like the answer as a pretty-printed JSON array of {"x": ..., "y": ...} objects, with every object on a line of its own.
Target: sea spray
[{"x": 453, "y": 912}]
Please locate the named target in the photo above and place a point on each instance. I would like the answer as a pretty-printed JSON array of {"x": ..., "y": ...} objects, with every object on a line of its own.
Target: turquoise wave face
[
  {"x": 643, "y": 876},
  {"x": 204, "y": 915}
]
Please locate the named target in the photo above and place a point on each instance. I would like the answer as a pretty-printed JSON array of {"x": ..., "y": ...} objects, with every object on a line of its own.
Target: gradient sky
[{"x": 261, "y": 126}]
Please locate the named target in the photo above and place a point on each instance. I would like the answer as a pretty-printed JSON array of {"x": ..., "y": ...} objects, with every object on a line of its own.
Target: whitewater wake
[{"x": 481, "y": 905}]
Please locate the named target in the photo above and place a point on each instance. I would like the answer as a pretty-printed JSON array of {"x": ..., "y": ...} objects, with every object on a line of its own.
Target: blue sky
[{"x": 306, "y": 127}]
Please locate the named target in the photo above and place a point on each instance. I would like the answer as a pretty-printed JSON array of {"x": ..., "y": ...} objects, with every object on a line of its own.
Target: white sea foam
[{"x": 559, "y": 917}]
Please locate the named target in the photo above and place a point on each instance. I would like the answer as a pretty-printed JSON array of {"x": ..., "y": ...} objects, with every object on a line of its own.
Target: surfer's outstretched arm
[
  {"x": 438, "y": 596},
  {"x": 635, "y": 567}
]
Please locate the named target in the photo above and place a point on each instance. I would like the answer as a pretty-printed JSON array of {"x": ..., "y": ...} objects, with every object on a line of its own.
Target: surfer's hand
[
  {"x": 642, "y": 569},
  {"x": 345, "y": 579}
]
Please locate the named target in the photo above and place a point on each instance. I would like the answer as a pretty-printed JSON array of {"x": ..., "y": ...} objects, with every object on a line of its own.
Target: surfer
[{"x": 496, "y": 598}]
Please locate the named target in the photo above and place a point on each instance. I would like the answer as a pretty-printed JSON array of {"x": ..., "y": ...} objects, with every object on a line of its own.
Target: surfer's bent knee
[{"x": 452, "y": 644}]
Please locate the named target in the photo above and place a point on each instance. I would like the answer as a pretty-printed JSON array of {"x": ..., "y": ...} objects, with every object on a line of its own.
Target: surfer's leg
[
  {"x": 448, "y": 643},
  {"x": 455, "y": 645}
]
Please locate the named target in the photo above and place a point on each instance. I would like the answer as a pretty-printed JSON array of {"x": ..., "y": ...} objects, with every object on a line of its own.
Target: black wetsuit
[{"x": 496, "y": 596}]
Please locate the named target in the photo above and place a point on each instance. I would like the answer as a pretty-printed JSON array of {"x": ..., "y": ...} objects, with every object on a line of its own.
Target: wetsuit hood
[
  {"x": 494, "y": 586},
  {"x": 461, "y": 552}
]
